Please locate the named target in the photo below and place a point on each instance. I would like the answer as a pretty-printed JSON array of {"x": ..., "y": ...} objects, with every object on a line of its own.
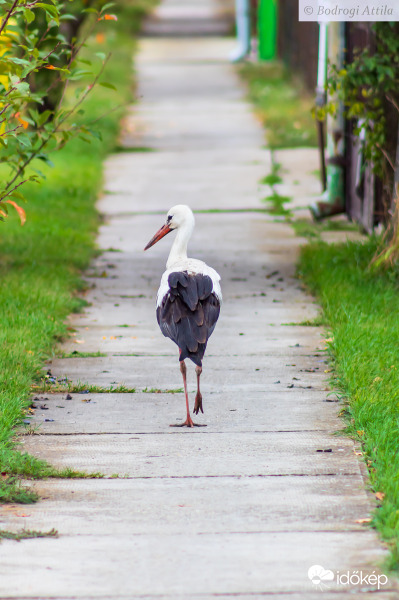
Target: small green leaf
[
  {"x": 107, "y": 85},
  {"x": 45, "y": 159},
  {"x": 107, "y": 6},
  {"x": 68, "y": 17},
  {"x": 271, "y": 179},
  {"x": 29, "y": 15}
]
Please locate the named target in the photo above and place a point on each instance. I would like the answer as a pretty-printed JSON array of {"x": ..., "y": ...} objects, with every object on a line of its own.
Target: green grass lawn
[
  {"x": 360, "y": 308},
  {"x": 282, "y": 104},
  {"x": 41, "y": 263}
]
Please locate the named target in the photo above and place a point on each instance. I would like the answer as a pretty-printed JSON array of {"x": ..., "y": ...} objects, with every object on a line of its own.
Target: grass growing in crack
[
  {"x": 77, "y": 354},
  {"x": 158, "y": 391},
  {"x": 282, "y": 103},
  {"x": 31, "y": 467},
  {"x": 273, "y": 178},
  {"x": 313, "y": 231},
  {"x": 275, "y": 200},
  {"x": 12, "y": 490},
  {"x": 27, "y": 534},
  {"x": 316, "y": 322},
  {"x": 277, "y": 205},
  {"x": 360, "y": 307},
  {"x": 129, "y": 149},
  {"x": 80, "y": 387},
  {"x": 41, "y": 263},
  {"x": 99, "y": 389}
]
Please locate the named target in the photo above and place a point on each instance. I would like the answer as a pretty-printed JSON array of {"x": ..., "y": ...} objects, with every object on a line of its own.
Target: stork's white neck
[{"x": 178, "y": 251}]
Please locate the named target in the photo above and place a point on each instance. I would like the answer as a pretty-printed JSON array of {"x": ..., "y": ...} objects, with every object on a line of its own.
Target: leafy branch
[
  {"x": 366, "y": 86},
  {"x": 32, "y": 122}
]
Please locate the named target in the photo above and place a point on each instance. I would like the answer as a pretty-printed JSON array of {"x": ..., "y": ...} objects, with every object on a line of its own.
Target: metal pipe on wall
[
  {"x": 243, "y": 25},
  {"x": 332, "y": 201},
  {"x": 321, "y": 97}
]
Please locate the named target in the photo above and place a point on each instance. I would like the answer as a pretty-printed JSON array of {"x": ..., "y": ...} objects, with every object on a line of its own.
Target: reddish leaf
[
  {"x": 24, "y": 123},
  {"x": 362, "y": 521},
  {"x": 108, "y": 18},
  {"x": 19, "y": 210}
]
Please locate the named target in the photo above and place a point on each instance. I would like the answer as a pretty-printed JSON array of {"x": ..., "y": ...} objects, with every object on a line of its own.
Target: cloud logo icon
[{"x": 318, "y": 575}]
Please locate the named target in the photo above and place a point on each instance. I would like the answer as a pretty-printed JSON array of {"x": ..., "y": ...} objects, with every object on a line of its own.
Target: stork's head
[{"x": 179, "y": 216}]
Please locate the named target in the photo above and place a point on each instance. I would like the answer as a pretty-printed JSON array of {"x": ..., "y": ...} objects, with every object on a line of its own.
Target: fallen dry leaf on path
[{"x": 361, "y": 521}]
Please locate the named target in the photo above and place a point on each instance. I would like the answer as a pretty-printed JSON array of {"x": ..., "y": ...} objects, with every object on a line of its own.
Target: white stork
[{"x": 188, "y": 301}]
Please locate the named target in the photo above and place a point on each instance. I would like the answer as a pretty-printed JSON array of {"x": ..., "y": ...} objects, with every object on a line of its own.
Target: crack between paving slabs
[
  {"x": 239, "y": 594},
  {"x": 259, "y": 475},
  {"x": 48, "y": 433}
]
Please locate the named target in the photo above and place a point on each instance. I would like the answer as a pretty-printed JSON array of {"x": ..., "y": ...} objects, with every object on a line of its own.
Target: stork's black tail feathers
[{"x": 188, "y": 313}]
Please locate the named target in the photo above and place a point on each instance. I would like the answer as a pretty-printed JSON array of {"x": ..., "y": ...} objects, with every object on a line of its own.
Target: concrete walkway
[{"x": 245, "y": 506}]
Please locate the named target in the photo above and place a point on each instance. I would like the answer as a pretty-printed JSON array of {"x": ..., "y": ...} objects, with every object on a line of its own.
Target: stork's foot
[
  {"x": 198, "y": 404},
  {"x": 188, "y": 423}
]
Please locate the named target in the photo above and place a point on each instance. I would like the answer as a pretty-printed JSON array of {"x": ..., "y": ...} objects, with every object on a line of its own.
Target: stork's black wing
[{"x": 188, "y": 313}]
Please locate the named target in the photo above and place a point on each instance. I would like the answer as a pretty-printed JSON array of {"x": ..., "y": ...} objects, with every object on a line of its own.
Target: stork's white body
[{"x": 193, "y": 267}]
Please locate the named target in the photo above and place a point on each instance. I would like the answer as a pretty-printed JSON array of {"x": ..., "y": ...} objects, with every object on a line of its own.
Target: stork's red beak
[{"x": 165, "y": 229}]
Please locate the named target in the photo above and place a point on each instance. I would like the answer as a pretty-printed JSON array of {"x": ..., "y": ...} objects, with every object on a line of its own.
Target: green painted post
[{"x": 267, "y": 29}]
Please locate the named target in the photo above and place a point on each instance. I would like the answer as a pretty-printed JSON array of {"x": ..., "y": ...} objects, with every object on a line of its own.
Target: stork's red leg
[
  {"x": 198, "y": 397},
  {"x": 188, "y": 422}
]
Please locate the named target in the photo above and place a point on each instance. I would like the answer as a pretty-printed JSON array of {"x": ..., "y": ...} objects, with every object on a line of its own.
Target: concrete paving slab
[
  {"x": 237, "y": 506},
  {"x": 303, "y": 190},
  {"x": 235, "y": 373},
  {"x": 130, "y": 188},
  {"x": 253, "y": 232},
  {"x": 302, "y": 368},
  {"x": 182, "y": 20},
  {"x": 136, "y": 315},
  {"x": 207, "y": 563},
  {"x": 149, "y": 412},
  {"x": 176, "y": 453},
  {"x": 215, "y": 50},
  {"x": 149, "y": 340}
]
